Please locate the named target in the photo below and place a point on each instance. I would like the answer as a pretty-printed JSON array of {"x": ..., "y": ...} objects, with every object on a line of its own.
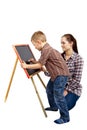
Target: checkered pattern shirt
[
  {"x": 54, "y": 62},
  {"x": 75, "y": 65}
]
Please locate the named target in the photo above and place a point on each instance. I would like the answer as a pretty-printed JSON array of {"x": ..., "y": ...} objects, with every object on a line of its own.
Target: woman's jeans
[
  {"x": 55, "y": 95},
  {"x": 71, "y": 100}
]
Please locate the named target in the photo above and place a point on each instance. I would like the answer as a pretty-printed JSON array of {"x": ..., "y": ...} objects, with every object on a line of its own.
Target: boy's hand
[
  {"x": 43, "y": 69},
  {"x": 32, "y": 60},
  {"x": 23, "y": 65}
]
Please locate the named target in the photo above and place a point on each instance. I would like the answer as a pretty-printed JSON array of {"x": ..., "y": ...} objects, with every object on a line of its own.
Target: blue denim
[
  {"x": 71, "y": 100},
  {"x": 50, "y": 94},
  {"x": 55, "y": 95}
]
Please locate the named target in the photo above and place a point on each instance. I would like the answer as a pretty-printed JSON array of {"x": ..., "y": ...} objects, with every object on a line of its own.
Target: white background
[{"x": 19, "y": 19}]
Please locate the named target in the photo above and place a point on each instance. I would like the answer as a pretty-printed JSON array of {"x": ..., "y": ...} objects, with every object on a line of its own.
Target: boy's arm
[
  {"x": 31, "y": 66},
  {"x": 33, "y": 60}
]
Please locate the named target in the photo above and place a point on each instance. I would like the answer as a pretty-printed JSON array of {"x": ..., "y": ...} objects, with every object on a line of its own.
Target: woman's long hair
[{"x": 70, "y": 38}]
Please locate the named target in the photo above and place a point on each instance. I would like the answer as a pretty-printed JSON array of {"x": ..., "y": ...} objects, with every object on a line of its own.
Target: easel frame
[{"x": 31, "y": 77}]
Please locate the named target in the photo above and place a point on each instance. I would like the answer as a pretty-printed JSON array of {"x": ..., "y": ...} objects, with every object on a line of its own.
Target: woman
[{"x": 74, "y": 61}]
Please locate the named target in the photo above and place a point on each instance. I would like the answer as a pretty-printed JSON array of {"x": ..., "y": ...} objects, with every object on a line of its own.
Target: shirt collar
[
  {"x": 45, "y": 46},
  {"x": 72, "y": 56}
]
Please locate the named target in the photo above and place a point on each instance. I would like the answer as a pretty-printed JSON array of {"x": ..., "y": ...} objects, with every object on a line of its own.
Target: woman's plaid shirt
[{"x": 75, "y": 65}]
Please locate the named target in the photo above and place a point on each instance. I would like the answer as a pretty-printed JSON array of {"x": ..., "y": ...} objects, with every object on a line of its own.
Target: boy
[{"x": 57, "y": 68}]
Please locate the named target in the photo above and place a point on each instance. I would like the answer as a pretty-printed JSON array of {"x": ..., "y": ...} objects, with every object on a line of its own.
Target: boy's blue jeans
[{"x": 55, "y": 95}]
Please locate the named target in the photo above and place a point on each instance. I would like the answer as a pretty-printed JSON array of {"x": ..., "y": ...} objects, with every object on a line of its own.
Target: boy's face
[{"x": 37, "y": 45}]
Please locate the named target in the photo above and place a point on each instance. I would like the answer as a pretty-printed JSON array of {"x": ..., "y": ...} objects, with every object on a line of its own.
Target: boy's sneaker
[
  {"x": 61, "y": 121},
  {"x": 51, "y": 109}
]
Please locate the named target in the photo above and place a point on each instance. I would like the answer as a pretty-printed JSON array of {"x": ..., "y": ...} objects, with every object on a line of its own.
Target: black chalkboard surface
[{"x": 24, "y": 53}]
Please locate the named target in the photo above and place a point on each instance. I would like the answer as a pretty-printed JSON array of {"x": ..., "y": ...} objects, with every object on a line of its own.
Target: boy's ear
[{"x": 39, "y": 41}]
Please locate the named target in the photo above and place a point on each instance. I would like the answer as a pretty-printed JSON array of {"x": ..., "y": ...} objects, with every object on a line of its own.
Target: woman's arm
[{"x": 77, "y": 74}]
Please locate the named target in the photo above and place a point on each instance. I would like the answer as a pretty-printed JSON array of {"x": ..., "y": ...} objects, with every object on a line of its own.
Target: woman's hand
[{"x": 65, "y": 92}]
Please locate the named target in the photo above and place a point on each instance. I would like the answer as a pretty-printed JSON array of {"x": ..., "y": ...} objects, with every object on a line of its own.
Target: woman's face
[{"x": 65, "y": 44}]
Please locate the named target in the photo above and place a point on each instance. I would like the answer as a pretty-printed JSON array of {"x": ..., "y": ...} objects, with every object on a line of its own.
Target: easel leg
[
  {"x": 11, "y": 79},
  {"x": 38, "y": 97},
  {"x": 41, "y": 80}
]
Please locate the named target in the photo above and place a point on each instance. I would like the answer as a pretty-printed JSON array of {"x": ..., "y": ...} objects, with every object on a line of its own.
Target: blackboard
[{"x": 24, "y": 53}]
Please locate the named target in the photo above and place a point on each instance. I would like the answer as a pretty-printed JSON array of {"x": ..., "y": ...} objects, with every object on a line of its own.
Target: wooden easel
[{"x": 9, "y": 86}]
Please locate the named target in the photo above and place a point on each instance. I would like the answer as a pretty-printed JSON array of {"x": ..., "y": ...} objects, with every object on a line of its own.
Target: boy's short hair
[{"x": 39, "y": 35}]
